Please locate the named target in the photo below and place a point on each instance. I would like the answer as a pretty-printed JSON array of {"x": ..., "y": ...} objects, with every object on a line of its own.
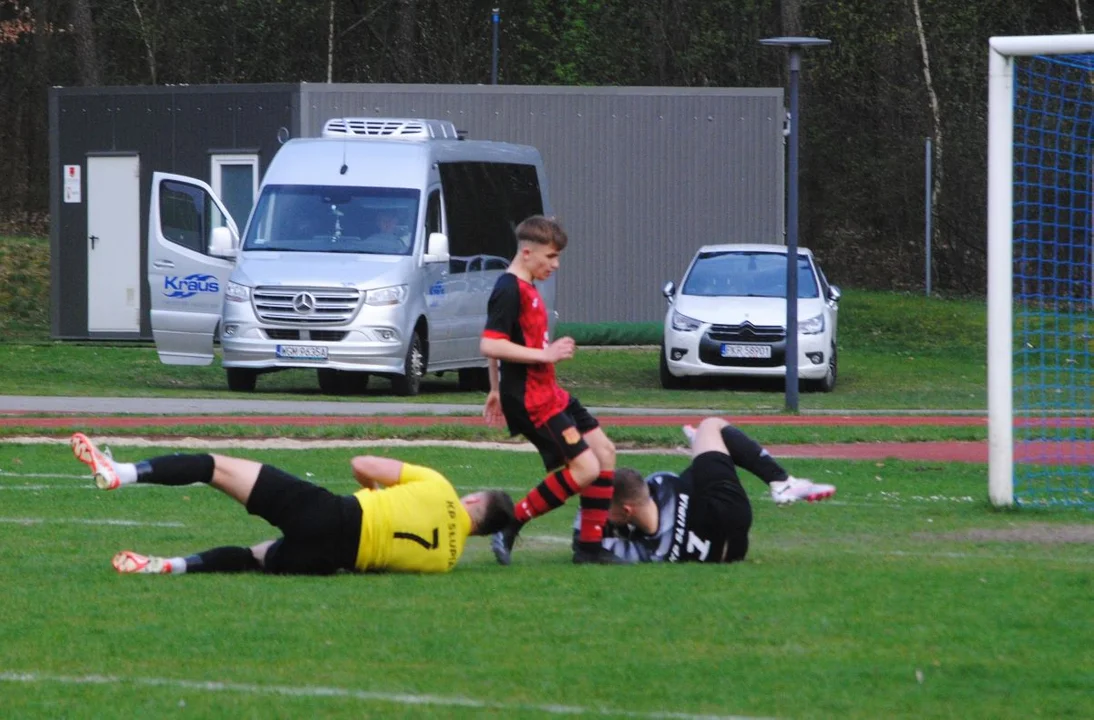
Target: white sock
[
  {"x": 689, "y": 433},
  {"x": 127, "y": 472},
  {"x": 178, "y": 565}
]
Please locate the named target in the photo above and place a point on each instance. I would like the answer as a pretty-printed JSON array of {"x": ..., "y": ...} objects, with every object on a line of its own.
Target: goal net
[{"x": 1040, "y": 266}]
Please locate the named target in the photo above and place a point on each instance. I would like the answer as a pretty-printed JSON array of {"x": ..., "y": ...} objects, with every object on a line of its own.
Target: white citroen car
[{"x": 729, "y": 318}]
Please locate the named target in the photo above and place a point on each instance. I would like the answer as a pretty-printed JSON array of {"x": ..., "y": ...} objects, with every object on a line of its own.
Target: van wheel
[
  {"x": 410, "y": 382},
  {"x": 342, "y": 382},
  {"x": 241, "y": 379},
  {"x": 668, "y": 380},
  {"x": 475, "y": 379}
]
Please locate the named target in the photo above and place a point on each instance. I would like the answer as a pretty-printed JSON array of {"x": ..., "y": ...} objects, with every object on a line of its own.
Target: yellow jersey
[{"x": 418, "y": 525}]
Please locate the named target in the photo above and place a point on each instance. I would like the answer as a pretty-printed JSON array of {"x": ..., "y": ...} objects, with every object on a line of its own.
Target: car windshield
[
  {"x": 311, "y": 218},
  {"x": 747, "y": 274}
]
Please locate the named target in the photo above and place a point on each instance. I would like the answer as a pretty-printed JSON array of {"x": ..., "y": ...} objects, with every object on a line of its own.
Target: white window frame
[{"x": 218, "y": 160}]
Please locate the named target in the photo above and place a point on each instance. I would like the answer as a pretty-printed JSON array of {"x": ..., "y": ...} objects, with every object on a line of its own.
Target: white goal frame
[{"x": 1001, "y": 56}]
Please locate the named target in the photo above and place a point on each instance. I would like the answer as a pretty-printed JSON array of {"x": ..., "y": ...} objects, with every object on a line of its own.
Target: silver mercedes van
[{"x": 371, "y": 251}]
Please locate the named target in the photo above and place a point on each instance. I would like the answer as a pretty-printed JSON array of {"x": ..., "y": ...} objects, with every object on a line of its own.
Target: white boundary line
[
  {"x": 58, "y": 476},
  {"x": 89, "y": 521},
  {"x": 367, "y": 696}
]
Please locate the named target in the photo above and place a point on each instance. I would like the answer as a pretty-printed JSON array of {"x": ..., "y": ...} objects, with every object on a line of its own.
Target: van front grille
[{"x": 305, "y": 306}]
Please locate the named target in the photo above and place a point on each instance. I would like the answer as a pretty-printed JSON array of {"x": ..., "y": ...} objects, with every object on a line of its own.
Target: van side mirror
[
  {"x": 669, "y": 290},
  {"x": 436, "y": 248},
  {"x": 834, "y": 293},
  {"x": 222, "y": 243}
]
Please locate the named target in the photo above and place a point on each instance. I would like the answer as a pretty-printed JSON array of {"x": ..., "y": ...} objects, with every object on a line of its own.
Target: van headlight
[
  {"x": 682, "y": 323},
  {"x": 386, "y": 296},
  {"x": 237, "y": 293},
  {"x": 812, "y": 326}
]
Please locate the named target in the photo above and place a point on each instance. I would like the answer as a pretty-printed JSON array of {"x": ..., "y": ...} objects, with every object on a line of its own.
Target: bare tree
[
  {"x": 790, "y": 12},
  {"x": 936, "y": 113},
  {"x": 1079, "y": 16},
  {"x": 406, "y": 23},
  {"x": 88, "y": 64},
  {"x": 147, "y": 42},
  {"x": 330, "y": 43}
]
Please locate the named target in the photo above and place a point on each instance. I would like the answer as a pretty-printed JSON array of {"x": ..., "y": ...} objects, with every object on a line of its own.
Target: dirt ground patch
[{"x": 1040, "y": 533}]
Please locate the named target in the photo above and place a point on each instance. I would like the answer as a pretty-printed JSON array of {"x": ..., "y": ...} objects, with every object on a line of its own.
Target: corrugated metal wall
[{"x": 640, "y": 177}]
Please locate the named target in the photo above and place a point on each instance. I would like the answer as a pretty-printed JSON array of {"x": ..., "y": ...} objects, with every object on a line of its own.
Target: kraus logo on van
[
  {"x": 434, "y": 294},
  {"x": 189, "y": 286}
]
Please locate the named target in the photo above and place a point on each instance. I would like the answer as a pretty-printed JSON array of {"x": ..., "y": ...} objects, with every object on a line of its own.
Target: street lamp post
[{"x": 794, "y": 45}]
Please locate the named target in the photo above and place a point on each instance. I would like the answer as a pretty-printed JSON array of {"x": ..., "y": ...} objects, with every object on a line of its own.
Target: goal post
[{"x": 1040, "y": 266}]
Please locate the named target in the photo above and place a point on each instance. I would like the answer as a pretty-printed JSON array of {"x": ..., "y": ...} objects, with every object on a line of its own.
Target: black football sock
[
  {"x": 747, "y": 453},
  {"x": 176, "y": 469},
  {"x": 228, "y": 559}
]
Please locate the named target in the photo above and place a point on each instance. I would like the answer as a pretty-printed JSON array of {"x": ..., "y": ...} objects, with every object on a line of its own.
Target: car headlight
[
  {"x": 812, "y": 326},
  {"x": 682, "y": 323},
  {"x": 386, "y": 296},
  {"x": 237, "y": 293}
]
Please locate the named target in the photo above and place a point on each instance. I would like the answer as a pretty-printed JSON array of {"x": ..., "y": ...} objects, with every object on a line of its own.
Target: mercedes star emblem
[{"x": 304, "y": 303}]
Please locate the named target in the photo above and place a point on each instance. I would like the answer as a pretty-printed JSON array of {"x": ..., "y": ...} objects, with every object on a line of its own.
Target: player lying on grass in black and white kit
[{"x": 703, "y": 514}]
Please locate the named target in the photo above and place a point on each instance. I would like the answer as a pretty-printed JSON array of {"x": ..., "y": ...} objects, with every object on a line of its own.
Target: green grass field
[{"x": 904, "y": 596}]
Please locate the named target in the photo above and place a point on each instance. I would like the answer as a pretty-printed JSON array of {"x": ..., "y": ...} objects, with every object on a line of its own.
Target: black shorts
[
  {"x": 720, "y": 508},
  {"x": 321, "y": 530},
  {"x": 560, "y": 439}
]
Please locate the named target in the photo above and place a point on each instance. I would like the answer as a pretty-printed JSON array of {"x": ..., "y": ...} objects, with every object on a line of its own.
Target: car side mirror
[
  {"x": 222, "y": 243},
  {"x": 834, "y": 293},
  {"x": 436, "y": 248},
  {"x": 669, "y": 290}
]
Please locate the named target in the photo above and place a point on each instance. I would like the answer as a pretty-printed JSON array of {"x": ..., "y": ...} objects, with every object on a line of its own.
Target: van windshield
[{"x": 317, "y": 218}]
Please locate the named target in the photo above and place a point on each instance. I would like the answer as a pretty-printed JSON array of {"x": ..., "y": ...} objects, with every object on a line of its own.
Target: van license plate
[
  {"x": 302, "y": 352},
  {"x": 761, "y": 352}
]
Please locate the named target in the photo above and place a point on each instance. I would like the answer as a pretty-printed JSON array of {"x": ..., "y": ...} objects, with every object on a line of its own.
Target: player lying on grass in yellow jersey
[{"x": 406, "y": 518}]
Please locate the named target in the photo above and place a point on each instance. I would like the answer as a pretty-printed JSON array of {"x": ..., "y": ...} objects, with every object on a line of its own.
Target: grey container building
[{"x": 640, "y": 177}]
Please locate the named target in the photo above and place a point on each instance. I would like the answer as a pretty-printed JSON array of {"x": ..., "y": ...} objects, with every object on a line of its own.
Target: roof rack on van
[{"x": 391, "y": 128}]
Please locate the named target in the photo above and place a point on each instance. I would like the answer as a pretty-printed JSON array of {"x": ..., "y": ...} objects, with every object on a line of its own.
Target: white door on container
[{"x": 113, "y": 244}]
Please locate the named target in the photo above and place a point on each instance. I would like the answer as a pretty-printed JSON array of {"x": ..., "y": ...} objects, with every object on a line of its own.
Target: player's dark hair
[
  {"x": 542, "y": 231},
  {"x": 629, "y": 486},
  {"x": 497, "y": 513}
]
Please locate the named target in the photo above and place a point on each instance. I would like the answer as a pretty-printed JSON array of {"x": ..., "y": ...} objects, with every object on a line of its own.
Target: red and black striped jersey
[{"x": 516, "y": 312}]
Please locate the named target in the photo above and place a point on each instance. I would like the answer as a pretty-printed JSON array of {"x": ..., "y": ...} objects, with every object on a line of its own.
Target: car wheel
[
  {"x": 410, "y": 382},
  {"x": 828, "y": 382},
  {"x": 474, "y": 379},
  {"x": 241, "y": 379},
  {"x": 668, "y": 380}
]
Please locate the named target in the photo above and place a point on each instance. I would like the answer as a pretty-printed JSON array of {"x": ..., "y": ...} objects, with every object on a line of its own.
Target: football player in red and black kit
[{"x": 579, "y": 457}]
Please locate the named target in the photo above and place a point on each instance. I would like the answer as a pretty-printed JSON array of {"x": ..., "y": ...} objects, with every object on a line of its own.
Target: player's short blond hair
[{"x": 542, "y": 231}]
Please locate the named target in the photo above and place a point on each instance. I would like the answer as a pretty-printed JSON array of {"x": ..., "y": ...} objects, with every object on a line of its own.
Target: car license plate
[
  {"x": 302, "y": 352},
  {"x": 746, "y": 351}
]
